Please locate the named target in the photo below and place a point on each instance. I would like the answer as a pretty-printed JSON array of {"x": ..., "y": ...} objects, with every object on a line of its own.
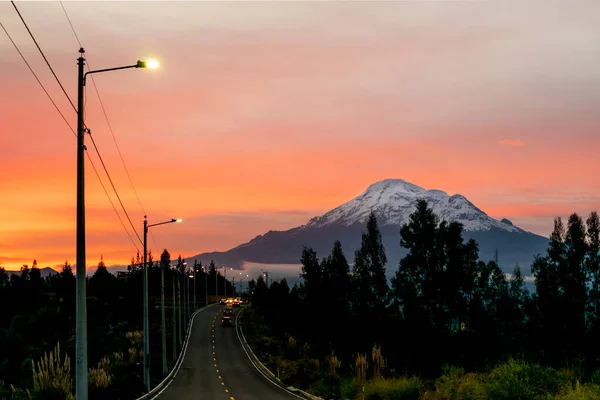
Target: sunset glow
[{"x": 262, "y": 115}]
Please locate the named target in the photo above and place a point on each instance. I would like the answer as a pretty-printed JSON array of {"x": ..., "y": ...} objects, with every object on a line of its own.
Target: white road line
[
  {"x": 177, "y": 367},
  {"x": 254, "y": 364}
]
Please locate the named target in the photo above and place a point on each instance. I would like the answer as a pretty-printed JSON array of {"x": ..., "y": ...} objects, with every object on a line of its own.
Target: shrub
[
  {"x": 454, "y": 384},
  {"x": 580, "y": 392},
  {"x": 523, "y": 381},
  {"x": 595, "y": 377},
  {"x": 393, "y": 389}
]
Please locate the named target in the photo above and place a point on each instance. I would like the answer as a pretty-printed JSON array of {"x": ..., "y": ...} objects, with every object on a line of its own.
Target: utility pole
[
  {"x": 81, "y": 363},
  {"x": 181, "y": 306},
  {"x": 174, "y": 322},
  {"x": 217, "y": 284},
  {"x": 195, "y": 267},
  {"x": 81, "y": 367},
  {"x": 205, "y": 288},
  {"x": 225, "y": 281},
  {"x": 496, "y": 256},
  {"x": 179, "y": 311},
  {"x": 184, "y": 283},
  {"x": 233, "y": 285},
  {"x": 266, "y": 276},
  {"x": 186, "y": 279},
  {"x": 163, "y": 320},
  {"x": 146, "y": 325}
]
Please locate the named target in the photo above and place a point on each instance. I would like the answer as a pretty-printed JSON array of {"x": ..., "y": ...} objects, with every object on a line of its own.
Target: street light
[
  {"x": 242, "y": 280},
  {"x": 162, "y": 312},
  {"x": 205, "y": 286},
  {"x": 81, "y": 367},
  {"x": 181, "y": 298},
  {"x": 225, "y": 279}
]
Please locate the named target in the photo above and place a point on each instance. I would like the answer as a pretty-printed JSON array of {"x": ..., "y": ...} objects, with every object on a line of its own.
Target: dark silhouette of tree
[
  {"x": 593, "y": 264},
  {"x": 165, "y": 260},
  {"x": 336, "y": 288}
]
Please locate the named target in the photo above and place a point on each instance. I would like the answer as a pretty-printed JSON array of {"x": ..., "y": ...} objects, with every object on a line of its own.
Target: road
[{"x": 217, "y": 368}]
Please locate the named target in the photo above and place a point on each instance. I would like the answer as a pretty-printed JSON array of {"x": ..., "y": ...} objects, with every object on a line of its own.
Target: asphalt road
[{"x": 217, "y": 368}]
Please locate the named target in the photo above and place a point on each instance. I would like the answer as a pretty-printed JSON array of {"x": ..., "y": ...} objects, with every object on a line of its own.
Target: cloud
[{"x": 512, "y": 142}]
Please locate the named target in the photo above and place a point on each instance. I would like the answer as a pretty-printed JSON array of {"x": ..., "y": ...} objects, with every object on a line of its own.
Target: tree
[
  {"x": 573, "y": 278},
  {"x": 369, "y": 283},
  {"x": 593, "y": 263},
  {"x": 181, "y": 268},
  {"x": 165, "y": 260},
  {"x": 336, "y": 287},
  {"x": 410, "y": 284},
  {"x": 548, "y": 297},
  {"x": 102, "y": 282}
]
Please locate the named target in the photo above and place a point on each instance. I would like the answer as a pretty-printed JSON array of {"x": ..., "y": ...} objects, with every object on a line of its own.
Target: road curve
[{"x": 216, "y": 367}]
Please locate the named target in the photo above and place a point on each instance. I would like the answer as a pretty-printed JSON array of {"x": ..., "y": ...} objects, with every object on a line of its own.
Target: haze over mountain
[{"x": 392, "y": 201}]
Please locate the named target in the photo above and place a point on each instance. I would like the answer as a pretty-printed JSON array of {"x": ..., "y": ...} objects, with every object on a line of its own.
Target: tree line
[
  {"x": 444, "y": 306},
  {"x": 38, "y": 313}
]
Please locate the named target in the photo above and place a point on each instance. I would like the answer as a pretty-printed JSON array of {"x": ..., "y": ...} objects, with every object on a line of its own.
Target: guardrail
[
  {"x": 162, "y": 386},
  {"x": 266, "y": 372}
]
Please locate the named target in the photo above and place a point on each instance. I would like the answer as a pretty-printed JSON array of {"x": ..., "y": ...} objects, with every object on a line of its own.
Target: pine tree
[
  {"x": 165, "y": 260},
  {"x": 593, "y": 263},
  {"x": 369, "y": 283}
]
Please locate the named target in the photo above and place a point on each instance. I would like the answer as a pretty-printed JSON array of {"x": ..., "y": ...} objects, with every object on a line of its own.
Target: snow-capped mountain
[{"x": 393, "y": 200}]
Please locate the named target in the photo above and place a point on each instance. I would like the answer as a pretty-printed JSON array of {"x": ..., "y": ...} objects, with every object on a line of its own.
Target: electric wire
[
  {"x": 104, "y": 112},
  {"x": 113, "y": 186},
  {"x": 38, "y": 80},
  {"x": 43, "y": 55},
  {"x": 74, "y": 108},
  {"x": 68, "y": 124},
  {"x": 109, "y": 199},
  {"x": 110, "y": 128}
]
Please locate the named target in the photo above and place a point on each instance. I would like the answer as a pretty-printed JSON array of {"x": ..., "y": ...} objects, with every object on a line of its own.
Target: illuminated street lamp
[
  {"x": 81, "y": 363},
  {"x": 162, "y": 312}
]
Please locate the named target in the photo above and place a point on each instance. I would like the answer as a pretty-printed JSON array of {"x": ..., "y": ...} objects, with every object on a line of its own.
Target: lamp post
[
  {"x": 178, "y": 309},
  {"x": 194, "y": 278},
  {"x": 81, "y": 367},
  {"x": 181, "y": 299},
  {"x": 225, "y": 280},
  {"x": 205, "y": 286},
  {"x": 186, "y": 303},
  {"x": 162, "y": 311},
  {"x": 174, "y": 321},
  {"x": 242, "y": 280}
]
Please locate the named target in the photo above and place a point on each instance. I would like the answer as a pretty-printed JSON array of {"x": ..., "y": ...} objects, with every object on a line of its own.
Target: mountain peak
[
  {"x": 393, "y": 200},
  {"x": 393, "y": 185}
]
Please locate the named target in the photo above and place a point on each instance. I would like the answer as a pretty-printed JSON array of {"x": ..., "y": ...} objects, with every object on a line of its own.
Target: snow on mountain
[{"x": 393, "y": 200}]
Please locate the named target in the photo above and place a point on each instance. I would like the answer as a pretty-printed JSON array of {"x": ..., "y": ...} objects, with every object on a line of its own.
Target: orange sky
[{"x": 265, "y": 114}]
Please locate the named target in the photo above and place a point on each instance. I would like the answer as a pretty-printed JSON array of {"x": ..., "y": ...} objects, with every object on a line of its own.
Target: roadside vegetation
[
  {"x": 449, "y": 327},
  {"x": 37, "y": 329}
]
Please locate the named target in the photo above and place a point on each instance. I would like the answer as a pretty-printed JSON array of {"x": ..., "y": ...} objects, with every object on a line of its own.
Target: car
[
  {"x": 228, "y": 311},
  {"x": 236, "y": 303},
  {"x": 223, "y": 301},
  {"x": 226, "y": 321}
]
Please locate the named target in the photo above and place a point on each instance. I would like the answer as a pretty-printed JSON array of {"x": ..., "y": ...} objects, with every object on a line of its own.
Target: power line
[
  {"x": 38, "y": 80},
  {"x": 43, "y": 55},
  {"x": 105, "y": 113},
  {"x": 68, "y": 124},
  {"x": 69, "y": 19},
  {"x": 74, "y": 108},
  {"x": 111, "y": 203},
  {"x": 113, "y": 186}
]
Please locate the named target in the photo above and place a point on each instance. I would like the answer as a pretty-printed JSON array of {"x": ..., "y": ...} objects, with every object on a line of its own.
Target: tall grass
[{"x": 52, "y": 376}]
